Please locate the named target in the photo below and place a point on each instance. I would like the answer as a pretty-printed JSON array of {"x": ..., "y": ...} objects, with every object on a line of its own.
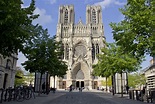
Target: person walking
[
  {"x": 70, "y": 88},
  {"x": 43, "y": 87},
  {"x": 127, "y": 89}
]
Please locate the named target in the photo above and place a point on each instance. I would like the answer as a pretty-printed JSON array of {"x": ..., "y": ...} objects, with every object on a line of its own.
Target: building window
[
  {"x": 93, "y": 52},
  {"x": 97, "y": 49},
  {"x": 67, "y": 51},
  {"x": 8, "y": 64},
  {"x": 93, "y": 16},
  {"x": 94, "y": 30},
  {"x": 66, "y": 17},
  {"x": 62, "y": 49}
]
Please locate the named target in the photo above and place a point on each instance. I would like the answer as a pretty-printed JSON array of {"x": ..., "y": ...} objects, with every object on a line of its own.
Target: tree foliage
[
  {"x": 15, "y": 25},
  {"x": 136, "y": 79},
  {"x": 19, "y": 79},
  {"x": 114, "y": 60},
  {"x": 108, "y": 83},
  {"x": 36, "y": 52},
  {"x": 43, "y": 55},
  {"x": 58, "y": 67},
  {"x": 136, "y": 33}
]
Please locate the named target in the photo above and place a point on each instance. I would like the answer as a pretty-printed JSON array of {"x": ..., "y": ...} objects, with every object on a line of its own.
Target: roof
[{"x": 149, "y": 67}]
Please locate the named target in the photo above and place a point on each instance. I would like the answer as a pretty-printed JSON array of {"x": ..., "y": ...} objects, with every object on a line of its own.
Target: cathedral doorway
[
  {"x": 79, "y": 84},
  {"x": 80, "y": 75}
]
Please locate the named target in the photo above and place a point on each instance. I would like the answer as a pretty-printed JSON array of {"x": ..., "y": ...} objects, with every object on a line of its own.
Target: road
[{"x": 64, "y": 97}]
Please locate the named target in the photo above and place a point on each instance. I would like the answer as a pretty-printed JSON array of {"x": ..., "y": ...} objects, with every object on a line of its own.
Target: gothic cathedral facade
[{"x": 81, "y": 44}]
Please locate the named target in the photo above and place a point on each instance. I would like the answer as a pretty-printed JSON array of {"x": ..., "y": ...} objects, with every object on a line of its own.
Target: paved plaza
[{"x": 76, "y": 97}]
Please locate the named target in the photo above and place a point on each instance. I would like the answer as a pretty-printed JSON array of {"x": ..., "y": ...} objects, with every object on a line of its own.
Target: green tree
[
  {"x": 136, "y": 79},
  {"x": 101, "y": 70},
  {"x": 136, "y": 33},
  {"x": 42, "y": 54},
  {"x": 29, "y": 77},
  {"x": 15, "y": 25},
  {"x": 108, "y": 82},
  {"x": 57, "y": 66},
  {"x": 114, "y": 60},
  {"x": 19, "y": 77}
]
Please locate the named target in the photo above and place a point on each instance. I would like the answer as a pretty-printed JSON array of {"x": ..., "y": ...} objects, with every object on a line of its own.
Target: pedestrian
[
  {"x": 80, "y": 89},
  {"x": 70, "y": 88},
  {"x": 43, "y": 87},
  {"x": 127, "y": 89},
  {"x": 47, "y": 88}
]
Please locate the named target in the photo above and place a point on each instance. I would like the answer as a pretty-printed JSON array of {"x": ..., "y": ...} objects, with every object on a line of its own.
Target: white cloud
[
  {"x": 21, "y": 59},
  {"x": 119, "y": 3},
  {"x": 43, "y": 18},
  {"x": 52, "y": 1},
  {"x": 106, "y": 3}
]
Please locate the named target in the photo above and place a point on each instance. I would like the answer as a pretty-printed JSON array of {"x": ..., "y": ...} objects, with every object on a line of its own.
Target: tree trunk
[
  {"x": 40, "y": 85},
  {"x": 113, "y": 86},
  {"x": 54, "y": 81},
  {"x": 106, "y": 85},
  {"x": 121, "y": 86}
]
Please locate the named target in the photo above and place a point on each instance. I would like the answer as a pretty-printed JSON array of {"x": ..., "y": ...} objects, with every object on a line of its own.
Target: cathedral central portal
[{"x": 80, "y": 75}]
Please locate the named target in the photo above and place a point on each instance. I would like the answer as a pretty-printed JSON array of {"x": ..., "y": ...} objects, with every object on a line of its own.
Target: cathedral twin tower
[{"x": 81, "y": 44}]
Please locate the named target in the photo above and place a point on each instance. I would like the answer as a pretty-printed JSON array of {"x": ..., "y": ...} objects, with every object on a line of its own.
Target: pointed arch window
[
  {"x": 67, "y": 51},
  {"x": 93, "y": 52},
  {"x": 62, "y": 49},
  {"x": 97, "y": 49},
  {"x": 93, "y": 16},
  {"x": 66, "y": 17},
  {"x": 8, "y": 64}
]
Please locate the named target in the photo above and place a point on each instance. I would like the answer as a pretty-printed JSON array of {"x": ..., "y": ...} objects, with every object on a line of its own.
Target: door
[
  {"x": 77, "y": 84},
  {"x": 63, "y": 84},
  {"x": 82, "y": 83}
]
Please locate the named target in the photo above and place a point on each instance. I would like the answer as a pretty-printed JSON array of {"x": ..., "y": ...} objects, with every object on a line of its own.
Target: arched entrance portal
[
  {"x": 80, "y": 75},
  {"x": 79, "y": 79}
]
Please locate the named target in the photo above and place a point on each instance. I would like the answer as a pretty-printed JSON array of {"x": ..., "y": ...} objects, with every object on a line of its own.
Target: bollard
[
  {"x": 129, "y": 94},
  {"x": 132, "y": 94},
  {"x": 153, "y": 96},
  {"x": 137, "y": 95}
]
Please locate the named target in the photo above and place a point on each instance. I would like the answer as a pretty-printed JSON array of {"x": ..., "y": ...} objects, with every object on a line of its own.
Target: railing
[
  {"x": 142, "y": 95},
  {"x": 18, "y": 94}
]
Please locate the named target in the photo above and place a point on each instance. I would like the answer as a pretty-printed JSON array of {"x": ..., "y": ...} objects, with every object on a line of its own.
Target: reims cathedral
[{"x": 81, "y": 44}]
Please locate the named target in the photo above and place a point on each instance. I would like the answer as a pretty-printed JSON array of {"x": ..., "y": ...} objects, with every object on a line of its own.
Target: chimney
[{"x": 152, "y": 61}]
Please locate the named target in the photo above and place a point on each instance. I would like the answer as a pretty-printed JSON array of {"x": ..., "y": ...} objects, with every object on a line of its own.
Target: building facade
[
  {"x": 7, "y": 71},
  {"x": 81, "y": 44},
  {"x": 150, "y": 74}
]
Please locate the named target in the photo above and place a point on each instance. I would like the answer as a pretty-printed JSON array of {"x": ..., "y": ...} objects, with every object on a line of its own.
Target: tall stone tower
[{"x": 81, "y": 44}]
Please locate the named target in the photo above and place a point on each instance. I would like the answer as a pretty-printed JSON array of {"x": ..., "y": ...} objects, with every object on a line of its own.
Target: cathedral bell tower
[
  {"x": 93, "y": 15},
  {"x": 66, "y": 14}
]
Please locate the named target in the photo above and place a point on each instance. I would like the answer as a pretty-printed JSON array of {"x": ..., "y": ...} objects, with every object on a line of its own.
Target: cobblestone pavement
[{"x": 75, "y": 97}]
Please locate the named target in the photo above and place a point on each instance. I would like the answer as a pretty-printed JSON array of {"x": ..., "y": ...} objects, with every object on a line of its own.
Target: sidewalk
[{"x": 38, "y": 99}]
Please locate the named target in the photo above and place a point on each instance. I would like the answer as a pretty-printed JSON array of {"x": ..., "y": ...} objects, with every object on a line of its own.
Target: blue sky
[{"x": 48, "y": 10}]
